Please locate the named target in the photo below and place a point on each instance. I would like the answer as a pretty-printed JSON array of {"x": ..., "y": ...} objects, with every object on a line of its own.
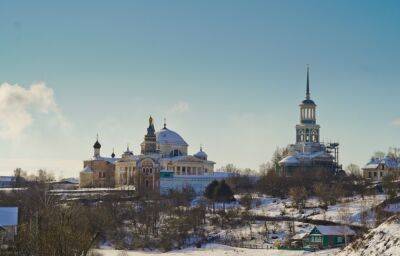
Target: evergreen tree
[
  {"x": 223, "y": 193},
  {"x": 209, "y": 192}
]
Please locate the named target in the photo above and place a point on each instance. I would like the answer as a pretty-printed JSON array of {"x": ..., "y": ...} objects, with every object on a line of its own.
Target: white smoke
[{"x": 19, "y": 105}]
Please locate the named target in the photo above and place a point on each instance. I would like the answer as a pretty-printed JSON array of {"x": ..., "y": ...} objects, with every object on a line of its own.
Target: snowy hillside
[{"x": 383, "y": 240}]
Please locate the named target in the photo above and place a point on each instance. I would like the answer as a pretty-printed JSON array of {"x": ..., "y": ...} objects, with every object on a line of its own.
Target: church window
[
  {"x": 147, "y": 183},
  {"x": 375, "y": 174},
  {"x": 369, "y": 175},
  {"x": 381, "y": 174},
  {"x": 183, "y": 170}
]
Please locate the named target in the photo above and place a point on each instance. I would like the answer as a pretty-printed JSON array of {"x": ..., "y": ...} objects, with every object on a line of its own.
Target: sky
[{"x": 225, "y": 74}]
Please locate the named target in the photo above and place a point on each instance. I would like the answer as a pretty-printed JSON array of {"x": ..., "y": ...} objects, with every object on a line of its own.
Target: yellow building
[{"x": 162, "y": 150}]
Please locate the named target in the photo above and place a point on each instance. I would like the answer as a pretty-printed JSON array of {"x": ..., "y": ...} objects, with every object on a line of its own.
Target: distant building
[
  {"x": 377, "y": 168},
  {"x": 171, "y": 181},
  {"x": 324, "y": 237},
  {"x": 162, "y": 150},
  {"x": 98, "y": 171},
  {"x": 8, "y": 224},
  {"x": 7, "y": 181},
  {"x": 65, "y": 184},
  {"x": 308, "y": 153}
]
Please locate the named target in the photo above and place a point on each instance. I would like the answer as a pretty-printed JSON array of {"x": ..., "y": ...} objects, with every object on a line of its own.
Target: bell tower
[
  {"x": 96, "y": 147},
  {"x": 149, "y": 145},
  {"x": 308, "y": 129}
]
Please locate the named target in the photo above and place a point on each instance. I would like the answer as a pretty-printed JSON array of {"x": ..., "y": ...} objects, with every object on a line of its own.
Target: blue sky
[{"x": 225, "y": 74}]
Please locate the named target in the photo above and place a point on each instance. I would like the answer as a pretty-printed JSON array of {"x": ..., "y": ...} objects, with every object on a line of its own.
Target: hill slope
[{"x": 383, "y": 240}]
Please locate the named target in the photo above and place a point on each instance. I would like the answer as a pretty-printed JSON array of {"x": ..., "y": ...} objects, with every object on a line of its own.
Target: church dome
[
  {"x": 97, "y": 144},
  {"x": 308, "y": 102},
  {"x": 166, "y": 136},
  {"x": 201, "y": 154}
]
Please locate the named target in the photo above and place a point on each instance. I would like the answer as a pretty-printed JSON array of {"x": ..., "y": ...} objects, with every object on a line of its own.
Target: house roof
[
  {"x": 6, "y": 178},
  {"x": 299, "y": 236},
  {"x": 389, "y": 162},
  {"x": 335, "y": 230},
  {"x": 8, "y": 216},
  {"x": 111, "y": 160}
]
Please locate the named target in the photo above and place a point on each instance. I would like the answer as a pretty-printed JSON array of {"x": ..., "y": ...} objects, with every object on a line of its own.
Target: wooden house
[{"x": 323, "y": 237}]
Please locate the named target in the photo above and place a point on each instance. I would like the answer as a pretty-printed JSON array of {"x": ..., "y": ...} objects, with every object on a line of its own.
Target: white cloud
[
  {"x": 180, "y": 107},
  {"x": 19, "y": 106},
  {"x": 396, "y": 121}
]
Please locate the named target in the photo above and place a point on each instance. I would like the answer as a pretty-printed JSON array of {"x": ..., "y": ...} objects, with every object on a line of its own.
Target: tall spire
[
  {"x": 165, "y": 123},
  {"x": 308, "y": 82},
  {"x": 150, "y": 129}
]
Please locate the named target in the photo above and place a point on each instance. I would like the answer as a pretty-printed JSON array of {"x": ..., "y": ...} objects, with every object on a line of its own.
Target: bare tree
[{"x": 353, "y": 169}]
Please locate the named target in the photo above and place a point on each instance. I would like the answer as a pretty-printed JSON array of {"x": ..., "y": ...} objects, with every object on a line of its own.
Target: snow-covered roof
[
  {"x": 166, "y": 136},
  {"x": 8, "y": 216},
  {"x": 299, "y": 236},
  {"x": 6, "y": 178},
  {"x": 289, "y": 160},
  {"x": 335, "y": 230},
  {"x": 87, "y": 169},
  {"x": 70, "y": 180},
  {"x": 296, "y": 157},
  {"x": 111, "y": 160},
  {"x": 389, "y": 162}
]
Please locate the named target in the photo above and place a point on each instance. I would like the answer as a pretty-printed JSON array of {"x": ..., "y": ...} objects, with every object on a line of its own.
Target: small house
[
  {"x": 297, "y": 240},
  {"x": 65, "y": 184},
  {"x": 8, "y": 224},
  {"x": 7, "y": 181},
  {"x": 377, "y": 168},
  {"x": 323, "y": 237}
]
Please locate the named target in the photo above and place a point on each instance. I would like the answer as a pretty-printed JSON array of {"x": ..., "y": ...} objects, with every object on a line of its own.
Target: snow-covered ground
[
  {"x": 351, "y": 210},
  {"x": 348, "y": 210},
  {"x": 277, "y": 233},
  {"x": 383, "y": 240},
  {"x": 216, "y": 250}
]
